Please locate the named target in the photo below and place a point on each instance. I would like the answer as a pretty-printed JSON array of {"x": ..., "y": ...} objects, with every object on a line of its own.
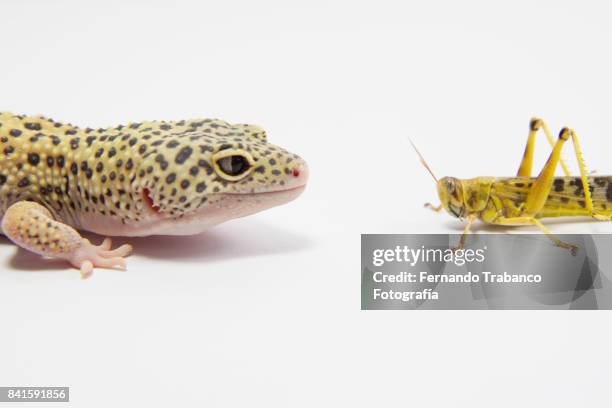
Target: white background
[{"x": 265, "y": 311}]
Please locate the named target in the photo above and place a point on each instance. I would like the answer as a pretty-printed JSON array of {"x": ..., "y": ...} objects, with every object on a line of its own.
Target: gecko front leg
[{"x": 32, "y": 227}]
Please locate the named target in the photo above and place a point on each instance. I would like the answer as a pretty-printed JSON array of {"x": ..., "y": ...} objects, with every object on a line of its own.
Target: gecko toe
[
  {"x": 86, "y": 269},
  {"x": 111, "y": 263},
  {"x": 122, "y": 251},
  {"x": 106, "y": 244}
]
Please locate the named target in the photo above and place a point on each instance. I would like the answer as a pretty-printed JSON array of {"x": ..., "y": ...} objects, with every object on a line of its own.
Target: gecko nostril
[{"x": 296, "y": 172}]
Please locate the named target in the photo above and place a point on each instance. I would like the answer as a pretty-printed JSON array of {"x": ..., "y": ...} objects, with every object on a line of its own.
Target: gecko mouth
[
  {"x": 227, "y": 205},
  {"x": 297, "y": 189},
  {"x": 146, "y": 195}
]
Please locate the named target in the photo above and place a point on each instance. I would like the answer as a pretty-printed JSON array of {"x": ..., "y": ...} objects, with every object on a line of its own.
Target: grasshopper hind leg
[
  {"x": 535, "y": 124},
  {"x": 515, "y": 221}
]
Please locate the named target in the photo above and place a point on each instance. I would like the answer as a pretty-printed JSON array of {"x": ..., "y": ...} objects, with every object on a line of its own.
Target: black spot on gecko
[
  {"x": 559, "y": 185},
  {"x": 60, "y": 161},
  {"x": 50, "y": 161},
  {"x": 74, "y": 143},
  {"x": 74, "y": 168},
  {"x": 33, "y": 159},
  {"x": 2, "y": 179},
  {"x": 163, "y": 164},
  {"x": 24, "y": 182},
  {"x": 111, "y": 152},
  {"x": 129, "y": 164},
  {"x": 172, "y": 144},
  {"x": 15, "y": 132},
  {"x": 201, "y": 187},
  {"x": 204, "y": 164},
  {"x": 185, "y": 184},
  {"x": 32, "y": 126},
  {"x": 183, "y": 155},
  {"x": 99, "y": 167},
  {"x": 8, "y": 150},
  {"x": 171, "y": 177}
]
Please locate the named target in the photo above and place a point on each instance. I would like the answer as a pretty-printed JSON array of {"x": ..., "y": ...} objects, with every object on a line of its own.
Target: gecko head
[
  {"x": 215, "y": 173},
  {"x": 450, "y": 192}
]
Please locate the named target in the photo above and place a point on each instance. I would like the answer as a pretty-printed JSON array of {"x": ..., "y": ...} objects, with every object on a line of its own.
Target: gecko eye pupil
[{"x": 234, "y": 165}]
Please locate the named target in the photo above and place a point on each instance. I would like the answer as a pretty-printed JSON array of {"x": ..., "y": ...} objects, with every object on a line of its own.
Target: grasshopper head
[
  {"x": 464, "y": 197},
  {"x": 461, "y": 197},
  {"x": 450, "y": 191}
]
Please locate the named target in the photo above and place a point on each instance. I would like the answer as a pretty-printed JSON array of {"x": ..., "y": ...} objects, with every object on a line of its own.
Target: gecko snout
[{"x": 300, "y": 174}]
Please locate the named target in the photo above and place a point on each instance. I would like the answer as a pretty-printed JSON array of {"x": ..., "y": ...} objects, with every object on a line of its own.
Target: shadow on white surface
[
  {"x": 28, "y": 261},
  {"x": 244, "y": 239}
]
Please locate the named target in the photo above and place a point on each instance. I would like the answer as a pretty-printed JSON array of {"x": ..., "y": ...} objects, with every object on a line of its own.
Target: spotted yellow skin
[{"x": 160, "y": 177}]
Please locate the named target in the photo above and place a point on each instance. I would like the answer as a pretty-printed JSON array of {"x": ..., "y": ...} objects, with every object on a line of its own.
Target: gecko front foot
[
  {"x": 89, "y": 256},
  {"x": 31, "y": 226}
]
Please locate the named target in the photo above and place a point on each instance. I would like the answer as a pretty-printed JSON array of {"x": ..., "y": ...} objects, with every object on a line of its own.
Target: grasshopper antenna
[{"x": 423, "y": 162}]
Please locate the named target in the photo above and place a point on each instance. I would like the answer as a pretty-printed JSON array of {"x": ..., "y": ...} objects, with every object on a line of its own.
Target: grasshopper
[{"x": 524, "y": 200}]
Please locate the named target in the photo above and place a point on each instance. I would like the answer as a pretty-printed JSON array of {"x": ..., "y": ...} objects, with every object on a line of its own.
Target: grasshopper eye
[
  {"x": 450, "y": 185},
  {"x": 233, "y": 165}
]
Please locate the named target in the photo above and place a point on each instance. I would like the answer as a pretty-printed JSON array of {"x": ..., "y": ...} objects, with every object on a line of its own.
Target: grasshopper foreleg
[{"x": 433, "y": 207}]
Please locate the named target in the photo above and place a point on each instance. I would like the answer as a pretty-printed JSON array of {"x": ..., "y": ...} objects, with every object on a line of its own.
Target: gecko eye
[{"x": 232, "y": 165}]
